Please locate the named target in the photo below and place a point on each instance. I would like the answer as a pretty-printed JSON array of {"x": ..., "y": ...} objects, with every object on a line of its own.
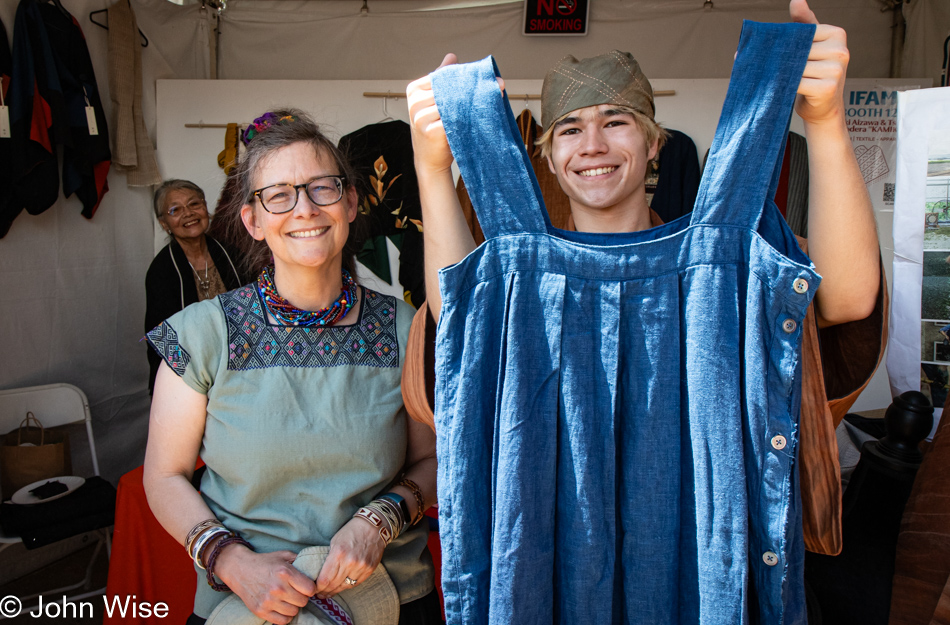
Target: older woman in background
[
  {"x": 290, "y": 389},
  {"x": 192, "y": 267}
]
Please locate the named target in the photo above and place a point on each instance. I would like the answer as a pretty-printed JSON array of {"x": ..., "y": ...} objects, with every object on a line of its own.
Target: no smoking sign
[{"x": 556, "y": 17}]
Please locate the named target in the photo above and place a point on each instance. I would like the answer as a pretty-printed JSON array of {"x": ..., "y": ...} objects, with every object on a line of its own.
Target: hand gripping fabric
[{"x": 617, "y": 414}]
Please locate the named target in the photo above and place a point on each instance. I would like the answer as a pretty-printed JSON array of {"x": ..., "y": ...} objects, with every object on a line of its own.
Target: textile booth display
[
  {"x": 97, "y": 118},
  {"x": 90, "y": 272}
]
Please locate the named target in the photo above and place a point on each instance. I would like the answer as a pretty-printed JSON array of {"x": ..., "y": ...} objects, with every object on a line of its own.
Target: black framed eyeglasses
[{"x": 282, "y": 198}]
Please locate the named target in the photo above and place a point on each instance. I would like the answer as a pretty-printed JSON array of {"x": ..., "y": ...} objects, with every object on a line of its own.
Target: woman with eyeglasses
[
  {"x": 289, "y": 388},
  {"x": 192, "y": 267}
]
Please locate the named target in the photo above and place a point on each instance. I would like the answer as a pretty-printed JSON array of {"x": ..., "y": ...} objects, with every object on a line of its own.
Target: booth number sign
[{"x": 556, "y": 17}]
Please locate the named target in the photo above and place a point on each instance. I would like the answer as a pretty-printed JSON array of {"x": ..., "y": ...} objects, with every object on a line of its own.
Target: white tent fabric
[
  {"x": 928, "y": 27},
  {"x": 406, "y": 39},
  {"x": 73, "y": 289}
]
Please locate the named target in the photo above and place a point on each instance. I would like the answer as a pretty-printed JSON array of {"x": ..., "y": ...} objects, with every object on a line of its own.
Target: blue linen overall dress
[{"x": 617, "y": 414}]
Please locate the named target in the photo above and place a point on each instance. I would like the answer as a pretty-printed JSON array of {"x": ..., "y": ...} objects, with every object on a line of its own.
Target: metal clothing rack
[
  {"x": 511, "y": 96},
  {"x": 204, "y": 125},
  {"x": 537, "y": 96},
  {"x": 387, "y": 95}
]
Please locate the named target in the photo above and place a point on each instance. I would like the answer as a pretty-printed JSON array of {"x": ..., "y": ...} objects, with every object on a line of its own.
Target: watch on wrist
[{"x": 403, "y": 506}]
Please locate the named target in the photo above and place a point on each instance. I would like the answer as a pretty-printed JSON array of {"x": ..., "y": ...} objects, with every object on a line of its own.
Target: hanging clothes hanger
[
  {"x": 58, "y": 5},
  {"x": 106, "y": 26},
  {"x": 386, "y": 116}
]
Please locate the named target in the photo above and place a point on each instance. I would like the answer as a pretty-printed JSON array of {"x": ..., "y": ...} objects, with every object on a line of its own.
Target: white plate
[{"x": 25, "y": 498}]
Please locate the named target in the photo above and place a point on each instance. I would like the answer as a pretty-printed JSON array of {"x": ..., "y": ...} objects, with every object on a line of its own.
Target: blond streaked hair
[{"x": 651, "y": 130}]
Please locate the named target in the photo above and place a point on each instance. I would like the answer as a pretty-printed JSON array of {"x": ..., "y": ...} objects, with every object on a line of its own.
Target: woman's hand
[
  {"x": 355, "y": 552},
  {"x": 821, "y": 91},
  {"x": 268, "y": 583}
]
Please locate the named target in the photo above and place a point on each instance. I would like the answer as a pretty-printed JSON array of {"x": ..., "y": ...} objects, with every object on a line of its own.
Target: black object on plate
[{"x": 49, "y": 489}]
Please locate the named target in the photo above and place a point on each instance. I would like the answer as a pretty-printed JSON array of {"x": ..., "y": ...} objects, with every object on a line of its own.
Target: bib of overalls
[{"x": 617, "y": 414}]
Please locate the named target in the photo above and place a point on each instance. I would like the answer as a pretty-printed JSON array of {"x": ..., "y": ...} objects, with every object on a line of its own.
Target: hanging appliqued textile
[
  {"x": 381, "y": 156},
  {"x": 617, "y": 414}
]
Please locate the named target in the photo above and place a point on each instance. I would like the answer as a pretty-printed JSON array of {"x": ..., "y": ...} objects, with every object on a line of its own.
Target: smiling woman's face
[
  {"x": 309, "y": 235},
  {"x": 190, "y": 218}
]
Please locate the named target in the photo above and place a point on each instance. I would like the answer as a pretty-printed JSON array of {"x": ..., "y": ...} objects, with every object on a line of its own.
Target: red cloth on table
[{"x": 146, "y": 561}]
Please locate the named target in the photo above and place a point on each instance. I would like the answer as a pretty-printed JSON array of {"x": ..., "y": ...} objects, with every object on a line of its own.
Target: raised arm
[
  {"x": 842, "y": 234},
  {"x": 446, "y": 234}
]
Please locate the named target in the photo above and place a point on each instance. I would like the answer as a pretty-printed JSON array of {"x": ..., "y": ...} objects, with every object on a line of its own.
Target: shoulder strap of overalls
[
  {"x": 745, "y": 160},
  {"x": 489, "y": 150}
]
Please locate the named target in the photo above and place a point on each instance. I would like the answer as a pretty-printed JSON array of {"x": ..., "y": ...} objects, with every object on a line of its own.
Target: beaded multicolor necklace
[{"x": 287, "y": 313}]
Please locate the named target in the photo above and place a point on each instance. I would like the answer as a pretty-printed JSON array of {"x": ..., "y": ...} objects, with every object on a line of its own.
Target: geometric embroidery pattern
[
  {"x": 255, "y": 344},
  {"x": 332, "y": 610},
  {"x": 165, "y": 341}
]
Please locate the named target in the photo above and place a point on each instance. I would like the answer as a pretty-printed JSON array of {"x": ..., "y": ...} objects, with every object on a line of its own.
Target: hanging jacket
[
  {"x": 6, "y": 145},
  {"x": 53, "y": 83}
]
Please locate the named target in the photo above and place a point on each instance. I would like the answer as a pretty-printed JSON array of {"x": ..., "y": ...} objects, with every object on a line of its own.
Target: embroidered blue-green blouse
[{"x": 304, "y": 425}]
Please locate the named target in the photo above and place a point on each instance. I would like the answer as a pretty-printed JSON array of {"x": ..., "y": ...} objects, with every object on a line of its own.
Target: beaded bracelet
[
  {"x": 417, "y": 493},
  {"x": 213, "y": 558},
  {"x": 375, "y": 519}
]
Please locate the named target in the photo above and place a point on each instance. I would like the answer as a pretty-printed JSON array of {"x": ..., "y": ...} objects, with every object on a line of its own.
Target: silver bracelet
[
  {"x": 197, "y": 531},
  {"x": 203, "y": 542}
]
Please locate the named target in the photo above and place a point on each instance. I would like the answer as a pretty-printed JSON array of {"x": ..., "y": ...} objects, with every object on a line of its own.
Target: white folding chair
[{"x": 54, "y": 405}]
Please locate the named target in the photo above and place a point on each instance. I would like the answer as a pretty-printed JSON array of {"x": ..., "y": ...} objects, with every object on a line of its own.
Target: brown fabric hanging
[
  {"x": 418, "y": 389},
  {"x": 132, "y": 152},
  {"x": 838, "y": 362}
]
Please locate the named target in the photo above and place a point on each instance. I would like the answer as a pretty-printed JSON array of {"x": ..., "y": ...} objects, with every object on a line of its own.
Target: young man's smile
[{"x": 600, "y": 156}]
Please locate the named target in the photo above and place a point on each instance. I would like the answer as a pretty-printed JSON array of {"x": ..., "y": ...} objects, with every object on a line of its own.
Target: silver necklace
[{"x": 205, "y": 284}]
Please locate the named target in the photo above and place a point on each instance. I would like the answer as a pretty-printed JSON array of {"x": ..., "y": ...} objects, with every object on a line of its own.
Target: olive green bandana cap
[{"x": 612, "y": 78}]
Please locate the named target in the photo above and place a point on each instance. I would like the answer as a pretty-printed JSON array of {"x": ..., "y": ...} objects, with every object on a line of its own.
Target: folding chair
[{"x": 54, "y": 405}]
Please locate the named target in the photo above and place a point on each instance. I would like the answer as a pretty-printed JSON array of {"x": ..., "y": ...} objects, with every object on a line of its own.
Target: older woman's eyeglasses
[
  {"x": 194, "y": 205},
  {"x": 282, "y": 198}
]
